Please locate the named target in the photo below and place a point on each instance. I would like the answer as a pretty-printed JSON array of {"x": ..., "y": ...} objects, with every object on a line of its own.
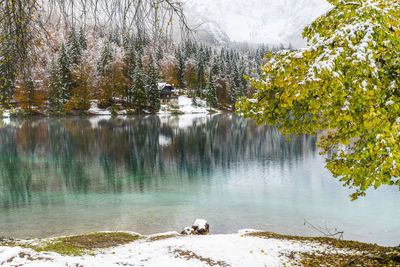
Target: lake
[{"x": 155, "y": 174}]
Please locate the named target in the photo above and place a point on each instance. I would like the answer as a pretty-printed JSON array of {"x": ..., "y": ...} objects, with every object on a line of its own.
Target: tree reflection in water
[{"x": 75, "y": 155}]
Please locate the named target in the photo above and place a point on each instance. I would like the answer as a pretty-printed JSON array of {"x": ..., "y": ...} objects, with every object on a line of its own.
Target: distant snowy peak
[{"x": 255, "y": 21}]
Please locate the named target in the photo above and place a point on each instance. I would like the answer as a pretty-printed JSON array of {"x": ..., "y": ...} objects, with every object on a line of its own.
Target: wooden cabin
[{"x": 167, "y": 94}]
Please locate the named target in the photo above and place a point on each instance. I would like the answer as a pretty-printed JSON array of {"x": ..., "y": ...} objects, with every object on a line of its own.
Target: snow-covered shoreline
[
  {"x": 172, "y": 249},
  {"x": 185, "y": 106}
]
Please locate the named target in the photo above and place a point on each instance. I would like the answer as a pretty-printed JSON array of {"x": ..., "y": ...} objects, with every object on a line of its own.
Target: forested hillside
[{"x": 71, "y": 53}]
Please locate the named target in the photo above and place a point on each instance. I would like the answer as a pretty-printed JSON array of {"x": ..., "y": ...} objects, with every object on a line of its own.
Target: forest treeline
[{"x": 63, "y": 61}]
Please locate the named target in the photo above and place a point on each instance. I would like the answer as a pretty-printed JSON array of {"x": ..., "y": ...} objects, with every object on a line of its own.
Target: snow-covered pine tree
[
  {"x": 152, "y": 87},
  {"x": 234, "y": 89},
  {"x": 103, "y": 66},
  {"x": 215, "y": 68},
  {"x": 211, "y": 93},
  {"x": 160, "y": 53},
  {"x": 55, "y": 90},
  {"x": 74, "y": 47},
  {"x": 65, "y": 75},
  {"x": 115, "y": 37},
  {"x": 242, "y": 80},
  {"x": 194, "y": 97},
  {"x": 139, "y": 41},
  {"x": 200, "y": 75},
  {"x": 233, "y": 94},
  {"x": 138, "y": 88},
  {"x": 180, "y": 64},
  {"x": 131, "y": 61},
  {"x": 82, "y": 39}
]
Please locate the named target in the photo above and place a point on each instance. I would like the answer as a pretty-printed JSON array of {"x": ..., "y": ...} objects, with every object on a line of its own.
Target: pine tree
[
  {"x": 129, "y": 71},
  {"x": 232, "y": 94},
  {"x": 160, "y": 53},
  {"x": 211, "y": 95},
  {"x": 127, "y": 41},
  {"x": 82, "y": 39},
  {"x": 152, "y": 87},
  {"x": 200, "y": 76},
  {"x": 194, "y": 98},
  {"x": 138, "y": 88},
  {"x": 234, "y": 90},
  {"x": 215, "y": 69},
  {"x": 55, "y": 90},
  {"x": 103, "y": 66},
  {"x": 81, "y": 93},
  {"x": 115, "y": 37},
  {"x": 180, "y": 68},
  {"x": 74, "y": 48},
  {"x": 131, "y": 61},
  {"x": 65, "y": 75},
  {"x": 242, "y": 80}
]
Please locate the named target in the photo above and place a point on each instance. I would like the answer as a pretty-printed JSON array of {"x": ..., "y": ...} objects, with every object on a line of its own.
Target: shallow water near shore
[{"x": 155, "y": 174}]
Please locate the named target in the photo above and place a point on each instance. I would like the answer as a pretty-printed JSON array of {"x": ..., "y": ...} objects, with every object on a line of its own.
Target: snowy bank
[
  {"x": 95, "y": 110},
  {"x": 246, "y": 248},
  {"x": 185, "y": 106},
  {"x": 171, "y": 249}
]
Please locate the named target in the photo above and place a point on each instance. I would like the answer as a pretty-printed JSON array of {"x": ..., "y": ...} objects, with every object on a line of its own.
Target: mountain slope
[{"x": 255, "y": 21}]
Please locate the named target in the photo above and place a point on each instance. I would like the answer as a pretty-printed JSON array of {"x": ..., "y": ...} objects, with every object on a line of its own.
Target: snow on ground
[
  {"x": 186, "y": 106},
  {"x": 94, "y": 110},
  {"x": 215, "y": 250}
]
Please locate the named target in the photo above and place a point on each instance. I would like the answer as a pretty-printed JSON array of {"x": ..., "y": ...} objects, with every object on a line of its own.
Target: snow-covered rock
[
  {"x": 187, "y": 231},
  {"x": 199, "y": 227}
]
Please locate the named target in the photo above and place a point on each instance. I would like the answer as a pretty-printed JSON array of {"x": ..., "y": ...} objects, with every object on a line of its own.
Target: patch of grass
[
  {"x": 82, "y": 244},
  {"x": 212, "y": 111},
  {"x": 190, "y": 255},
  {"x": 177, "y": 112},
  {"x": 349, "y": 259},
  {"x": 356, "y": 253},
  {"x": 6, "y": 242},
  {"x": 60, "y": 248},
  {"x": 160, "y": 237}
]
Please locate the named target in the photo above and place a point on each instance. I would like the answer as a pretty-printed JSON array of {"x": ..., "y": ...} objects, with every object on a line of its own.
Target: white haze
[{"x": 271, "y": 22}]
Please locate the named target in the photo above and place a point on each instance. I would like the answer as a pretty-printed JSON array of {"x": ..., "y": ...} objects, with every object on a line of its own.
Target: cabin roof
[{"x": 161, "y": 86}]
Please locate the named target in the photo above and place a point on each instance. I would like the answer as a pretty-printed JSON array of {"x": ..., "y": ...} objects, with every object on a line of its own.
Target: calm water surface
[{"x": 155, "y": 174}]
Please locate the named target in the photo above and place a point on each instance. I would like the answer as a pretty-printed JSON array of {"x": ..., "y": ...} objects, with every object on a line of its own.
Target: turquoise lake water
[{"x": 156, "y": 174}]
